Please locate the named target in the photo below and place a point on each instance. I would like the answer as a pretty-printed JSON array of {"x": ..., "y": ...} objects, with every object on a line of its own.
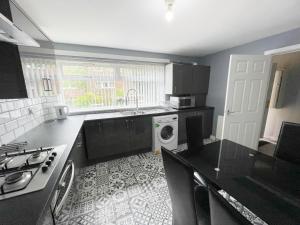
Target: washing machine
[{"x": 165, "y": 132}]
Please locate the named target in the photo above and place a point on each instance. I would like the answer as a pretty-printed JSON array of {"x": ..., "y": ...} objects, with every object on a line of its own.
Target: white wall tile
[
  {"x": 23, "y": 120},
  {"x": 10, "y": 105},
  {"x": 11, "y": 125},
  {"x": 28, "y": 126},
  {"x": 24, "y": 111},
  {"x": 15, "y": 114},
  {"x": 4, "y": 107},
  {"x": 19, "y": 131},
  {"x": 8, "y": 137},
  {"x": 2, "y": 129},
  {"x": 15, "y": 118},
  {"x": 4, "y": 117}
]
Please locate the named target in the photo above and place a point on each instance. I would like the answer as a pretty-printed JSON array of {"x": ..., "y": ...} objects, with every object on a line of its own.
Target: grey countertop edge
[{"x": 51, "y": 133}]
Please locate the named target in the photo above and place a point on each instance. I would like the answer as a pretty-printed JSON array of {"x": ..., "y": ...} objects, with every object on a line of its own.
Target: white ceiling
[{"x": 199, "y": 27}]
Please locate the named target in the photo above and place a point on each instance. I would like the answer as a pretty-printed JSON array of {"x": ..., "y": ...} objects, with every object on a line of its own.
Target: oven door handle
[{"x": 62, "y": 183}]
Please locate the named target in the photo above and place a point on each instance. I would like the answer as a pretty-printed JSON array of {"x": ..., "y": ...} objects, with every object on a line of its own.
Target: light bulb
[{"x": 169, "y": 15}]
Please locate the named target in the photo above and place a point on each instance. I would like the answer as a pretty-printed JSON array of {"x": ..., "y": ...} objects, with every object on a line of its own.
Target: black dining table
[{"x": 267, "y": 186}]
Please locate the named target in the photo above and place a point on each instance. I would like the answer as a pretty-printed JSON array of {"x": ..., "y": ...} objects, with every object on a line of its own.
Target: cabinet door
[
  {"x": 107, "y": 137},
  {"x": 78, "y": 154},
  {"x": 200, "y": 79},
  {"x": 182, "y": 79},
  {"x": 95, "y": 139},
  {"x": 141, "y": 133},
  {"x": 181, "y": 129},
  {"x": 182, "y": 126},
  {"x": 117, "y": 136},
  {"x": 207, "y": 120}
]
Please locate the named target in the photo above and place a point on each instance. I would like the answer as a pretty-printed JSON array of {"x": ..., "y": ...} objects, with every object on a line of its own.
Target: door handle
[
  {"x": 62, "y": 183},
  {"x": 229, "y": 112}
]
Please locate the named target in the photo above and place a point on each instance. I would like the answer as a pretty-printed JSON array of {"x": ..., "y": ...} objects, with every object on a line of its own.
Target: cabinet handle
[
  {"x": 175, "y": 89},
  {"x": 126, "y": 123},
  {"x": 59, "y": 205}
]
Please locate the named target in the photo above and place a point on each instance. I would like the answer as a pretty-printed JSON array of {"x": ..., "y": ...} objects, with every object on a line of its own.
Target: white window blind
[
  {"x": 36, "y": 69},
  {"x": 94, "y": 85},
  {"x": 103, "y": 85}
]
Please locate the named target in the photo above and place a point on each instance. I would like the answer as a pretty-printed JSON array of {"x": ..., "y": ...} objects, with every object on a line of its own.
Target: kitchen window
[
  {"x": 95, "y": 85},
  {"x": 89, "y": 85}
]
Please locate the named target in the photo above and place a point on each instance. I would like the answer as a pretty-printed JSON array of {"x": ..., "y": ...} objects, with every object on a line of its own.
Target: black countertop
[
  {"x": 29, "y": 208},
  {"x": 269, "y": 187}
]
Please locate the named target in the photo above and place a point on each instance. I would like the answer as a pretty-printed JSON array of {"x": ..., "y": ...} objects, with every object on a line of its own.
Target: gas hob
[{"x": 24, "y": 171}]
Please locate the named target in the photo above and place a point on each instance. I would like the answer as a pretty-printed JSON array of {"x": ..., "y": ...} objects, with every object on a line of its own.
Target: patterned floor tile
[
  {"x": 118, "y": 192},
  {"x": 126, "y": 220},
  {"x": 85, "y": 219}
]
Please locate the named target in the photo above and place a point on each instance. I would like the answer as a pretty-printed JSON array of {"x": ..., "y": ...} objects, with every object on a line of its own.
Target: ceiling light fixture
[{"x": 169, "y": 12}]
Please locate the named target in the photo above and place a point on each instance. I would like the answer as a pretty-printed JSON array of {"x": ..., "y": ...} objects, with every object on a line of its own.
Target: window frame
[{"x": 117, "y": 66}]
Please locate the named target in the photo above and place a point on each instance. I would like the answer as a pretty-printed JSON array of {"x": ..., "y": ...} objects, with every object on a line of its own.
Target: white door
[{"x": 247, "y": 86}]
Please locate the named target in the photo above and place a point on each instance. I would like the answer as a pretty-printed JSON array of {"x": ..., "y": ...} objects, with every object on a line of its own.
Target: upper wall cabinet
[
  {"x": 184, "y": 79},
  {"x": 19, "y": 39}
]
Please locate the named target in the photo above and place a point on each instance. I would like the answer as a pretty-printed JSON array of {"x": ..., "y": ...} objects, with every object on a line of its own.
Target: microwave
[{"x": 182, "y": 102}]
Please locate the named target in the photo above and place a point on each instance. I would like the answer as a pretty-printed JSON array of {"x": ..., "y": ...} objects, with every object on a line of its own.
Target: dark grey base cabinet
[
  {"x": 109, "y": 137},
  {"x": 78, "y": 154},
  {"x": 207, "y": 117}
]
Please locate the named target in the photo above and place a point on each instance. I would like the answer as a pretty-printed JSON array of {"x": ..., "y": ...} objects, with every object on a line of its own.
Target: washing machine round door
[{"x": 166, "y": 133}]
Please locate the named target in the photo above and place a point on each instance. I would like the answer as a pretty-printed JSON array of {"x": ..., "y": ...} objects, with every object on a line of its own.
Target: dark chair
[
  {"x": 194, "y": 132},
  {"x": 183, "y": 192},
  {"x": 222, "y": 213},
  {"x": 288, "y": 145}
]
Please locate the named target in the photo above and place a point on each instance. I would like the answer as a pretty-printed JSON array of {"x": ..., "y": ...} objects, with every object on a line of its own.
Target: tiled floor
[{"x": 126, "y": 191}]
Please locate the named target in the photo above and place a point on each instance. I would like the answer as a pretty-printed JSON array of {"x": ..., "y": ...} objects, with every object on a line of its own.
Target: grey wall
[
  {"x": 123, "y": 52},
  {"x": 219, "y": 63}
]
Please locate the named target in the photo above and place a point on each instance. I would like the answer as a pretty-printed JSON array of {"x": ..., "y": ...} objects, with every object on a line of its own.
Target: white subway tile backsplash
[
  {"x": 28, "y": 126},
  {"x": 8, "y": 137},
  {"x": 11, "y": 125},
  {"x": 10, "y": 106},
  {"x": 18, "y": 116},
  {"x": 24, "y": 111},
  {"x": 2, "y": 129},
  {"x": 23, "y": 120},
  {"x": 50, "y": 116},
  {"x": 4, "y": 117},
  {"x": 29, "y": 102},
  {"x": 15, "y": 114},
  {"x": 19, "y": 131},
  {"x": 4, "y": 107}
]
